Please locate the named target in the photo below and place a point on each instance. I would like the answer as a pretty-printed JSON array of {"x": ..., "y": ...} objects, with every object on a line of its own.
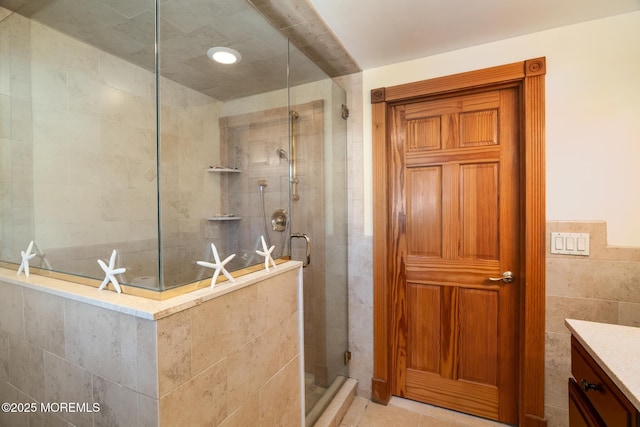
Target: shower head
[
  {"x": 262, "y": 183},
  {"x": 282, "y": 154}
]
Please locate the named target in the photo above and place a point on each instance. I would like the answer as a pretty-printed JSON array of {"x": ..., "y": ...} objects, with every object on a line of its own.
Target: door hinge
[
  {"x": 345, "y": 112},
  {"x": 347, "y": 357}
]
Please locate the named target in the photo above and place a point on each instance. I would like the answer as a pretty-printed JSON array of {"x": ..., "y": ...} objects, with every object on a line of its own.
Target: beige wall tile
[
  {"x": 48, "y": 47},
  {"x": 5, "y": 73},
  {"x": 66, "y": 382},
  {"x": 51, "y": 128},
  {"x": 44, "y": 321},
  {"x": 262, "y": 355},
  {"x": 288, "y": 340},
  {"x": 148, "y": 411},
  {"x": 49, "y": 86},
  {"x": 169, "y": 122},
  {"x": 599, "y": 248},
  {"x": 120, "y": 74},
  {"x": 82, "y": 59},
  {"x": 118, "y": 405},
  {"x": 174, "y": 351},
  {"x": 5, "y": 116},
  {"x": 558, "y": 274},
  {"x": 173, "y": 94},
  {"x": 601, "y": 287},
  {"x": 245, "y": 415},
  {"x": 555, "y": 392},
  {"x": 200, "y": 401},
  {"x": 50, "y": 165},
  {"x": 26, "y": 368},
  {"x": 21, "y": 89},
  {"x": 47, "y": 419},
  {"x": 222, "y": 325},
  {"x": 558, "y": 351},
  {"x": 360, "y": 245},
  {"x": 101, "y": 341},
  {"x": 13, "y": 395},
  {"x": 280, "y": 397},
  {"x": 21, "y": 121},
  {"x": 614, "y": 280},
  {"x": 361, "y": 346},
  {"x": 147, "y": 358},
  {"x": 4, "y": 356},
  {"x": 556, "y": 417},
  {"x": 560, "y": 308},
  {"x": 138, "y": 111},
  {"x": 594, "y": 279},
  {"x": 277, "y": 299},
  {"x": 629, "y": 314},
  {"x": 11, "y": 310}
]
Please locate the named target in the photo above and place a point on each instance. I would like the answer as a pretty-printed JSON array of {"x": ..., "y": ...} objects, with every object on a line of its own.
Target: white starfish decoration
[
  {"x": 26, "y": 257},
  {"x": 110, "y": 272},
  {"x": 218, "y": 266},
  {"x": 266, "y": 253}
]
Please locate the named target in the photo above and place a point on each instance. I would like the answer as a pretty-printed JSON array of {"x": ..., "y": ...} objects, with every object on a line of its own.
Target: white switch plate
[{"x": 570, "y": 243}]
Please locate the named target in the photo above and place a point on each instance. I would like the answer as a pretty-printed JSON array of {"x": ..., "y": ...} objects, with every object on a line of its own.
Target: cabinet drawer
[
  {"x": 581, "y": 413},
  {"x": 611, "y": 405}
]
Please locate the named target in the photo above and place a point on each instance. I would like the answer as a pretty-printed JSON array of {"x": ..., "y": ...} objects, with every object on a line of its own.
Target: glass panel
[
  {"x": 222, "y": 125},
  {"x": 79, "y": 137},
  {"x": 320, "y": 211},
  {"x": 94, "y": 132}
]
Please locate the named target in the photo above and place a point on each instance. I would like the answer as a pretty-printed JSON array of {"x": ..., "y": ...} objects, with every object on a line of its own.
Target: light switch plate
[{"x": 570, "y": 244}]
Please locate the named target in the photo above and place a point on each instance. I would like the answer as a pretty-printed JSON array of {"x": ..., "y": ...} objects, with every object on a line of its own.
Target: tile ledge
[{"x": 134, "y": 305}]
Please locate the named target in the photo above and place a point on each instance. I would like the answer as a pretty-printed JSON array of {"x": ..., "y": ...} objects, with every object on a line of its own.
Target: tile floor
[{"x": 407, "y": 413}]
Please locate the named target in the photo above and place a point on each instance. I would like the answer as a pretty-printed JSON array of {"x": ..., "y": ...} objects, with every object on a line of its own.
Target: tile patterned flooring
[{"x": 407, "y": 413}]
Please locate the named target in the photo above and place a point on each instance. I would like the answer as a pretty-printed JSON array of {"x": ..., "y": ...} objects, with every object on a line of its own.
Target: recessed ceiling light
[{"x": 224, "y": 55}]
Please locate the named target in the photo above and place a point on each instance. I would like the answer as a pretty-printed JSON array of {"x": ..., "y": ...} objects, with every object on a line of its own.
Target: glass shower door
[{"x": 319, "y": 211}]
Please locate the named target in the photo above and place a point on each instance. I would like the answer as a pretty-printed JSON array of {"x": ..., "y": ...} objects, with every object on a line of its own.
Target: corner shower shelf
[
  {"x": 224, "y": 218},
  {"x": 221, "y": 169}
]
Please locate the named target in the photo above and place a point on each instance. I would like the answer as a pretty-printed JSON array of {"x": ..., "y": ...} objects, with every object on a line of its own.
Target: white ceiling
[{"x": 382, "y": 32}]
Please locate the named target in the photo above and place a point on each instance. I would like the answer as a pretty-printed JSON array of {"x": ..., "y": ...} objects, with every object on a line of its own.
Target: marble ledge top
[
  {"x": 134, "y": 305},
  {"x": 616, "y": 349}
]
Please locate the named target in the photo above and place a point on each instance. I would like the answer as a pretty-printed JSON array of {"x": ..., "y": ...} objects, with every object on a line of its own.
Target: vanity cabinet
[{"x": 594, "y": 400}]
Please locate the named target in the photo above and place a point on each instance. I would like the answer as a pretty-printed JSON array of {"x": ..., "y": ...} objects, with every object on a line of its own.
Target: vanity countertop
[{"x": 616, "y": 348}]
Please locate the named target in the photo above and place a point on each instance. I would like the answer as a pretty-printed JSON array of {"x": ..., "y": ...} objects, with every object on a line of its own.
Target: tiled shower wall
[
  {"x": 251, "y": 141},
  {"x": 231, "y": 361},
  {"x": 602, "y": 287},
  {"x": 16, "y": 137},
  {"x": 54, "y": 349},
  {"x": 79, "y": 157},
  {"x": 360, "y": 251}
]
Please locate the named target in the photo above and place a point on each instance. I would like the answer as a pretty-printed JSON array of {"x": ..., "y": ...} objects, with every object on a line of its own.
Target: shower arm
[{"x": 293, "y": 116}]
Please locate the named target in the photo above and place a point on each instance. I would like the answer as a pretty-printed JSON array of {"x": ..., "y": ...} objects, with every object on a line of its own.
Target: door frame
[{"x": 529, "y": 75}]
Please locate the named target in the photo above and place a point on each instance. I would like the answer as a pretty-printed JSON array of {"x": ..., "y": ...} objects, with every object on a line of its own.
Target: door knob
[{"x": 507, "y": 277}]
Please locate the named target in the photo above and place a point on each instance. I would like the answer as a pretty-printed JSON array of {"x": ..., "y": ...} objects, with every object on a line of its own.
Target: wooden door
[{"x": 454, "y": 205}]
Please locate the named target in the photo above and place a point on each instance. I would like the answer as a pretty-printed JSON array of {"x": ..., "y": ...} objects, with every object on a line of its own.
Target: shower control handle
[{"x": 308, "y": 244}]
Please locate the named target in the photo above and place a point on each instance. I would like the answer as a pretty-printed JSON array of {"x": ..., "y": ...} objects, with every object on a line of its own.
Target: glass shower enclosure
[{"x": 119, "y": 132}]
